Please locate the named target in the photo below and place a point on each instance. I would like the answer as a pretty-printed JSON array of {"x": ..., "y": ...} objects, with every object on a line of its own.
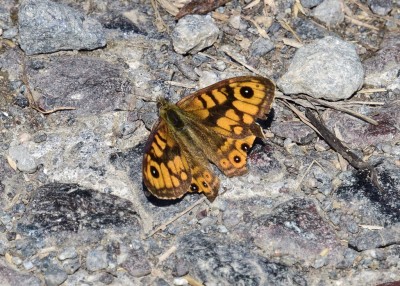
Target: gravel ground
[{"x": 78, "y": 87}]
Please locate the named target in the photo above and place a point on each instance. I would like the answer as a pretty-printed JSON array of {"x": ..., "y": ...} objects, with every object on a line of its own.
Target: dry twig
[
  {"x": 337, "y": 145},
  {"x": 240, "y": 61},
  {"x": 286, "y": 26},
  {"x": 165, "y": 224}
]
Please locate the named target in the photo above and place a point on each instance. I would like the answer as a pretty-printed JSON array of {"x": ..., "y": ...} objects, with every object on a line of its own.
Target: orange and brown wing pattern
[
  {"x": 204, "y": 181},
  {"x": 166, "y": 172},
  {"x": 233, "y": 156},
  {"x": 231, "y": 107}
]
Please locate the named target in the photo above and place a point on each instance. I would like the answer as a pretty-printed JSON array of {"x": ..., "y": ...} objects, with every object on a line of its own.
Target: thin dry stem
[{"x": 164, "y": 225}]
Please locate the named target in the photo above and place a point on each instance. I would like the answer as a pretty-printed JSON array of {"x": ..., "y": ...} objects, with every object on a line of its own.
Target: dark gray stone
[
  {"x": 106, "y": 278},
  {"x": 40, "y": 137},
  {"x": 375, "y": 239},
  {"x": 349, "y": 255},
  {"x": 295, "y": 130},
  {"x": 310, "y": 3},
  {"x": 382, "y": 68},
  {"x": 308, "y": 29},
  {"x": 261, "y": 47},
  {"x": 55, "y": 276},
  {"x": 221, "y": 261},
  {"x": 137, "y": 264},
  {"x": 88, "y": 84},
  {"x": 295, "y": 229},
  {"x": 68, "y": 207},
  {"x": 46, "y": 26},
  {"x": 9, "y": 277},
  {"x": 380, "y": 7},
  {"x": 360, "y": 134}
]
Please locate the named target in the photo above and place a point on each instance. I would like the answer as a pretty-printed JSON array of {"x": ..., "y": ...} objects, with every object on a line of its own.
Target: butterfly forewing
[{"x": 231, "y": 107}]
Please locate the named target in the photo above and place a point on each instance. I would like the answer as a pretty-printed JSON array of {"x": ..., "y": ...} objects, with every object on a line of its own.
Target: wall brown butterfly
[{"x": 215, "y": 124}]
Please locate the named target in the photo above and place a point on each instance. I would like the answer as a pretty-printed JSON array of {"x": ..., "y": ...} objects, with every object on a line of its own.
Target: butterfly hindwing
[
  {"x": 204, "y": 181},
  {"x": 166, "y": 172}
]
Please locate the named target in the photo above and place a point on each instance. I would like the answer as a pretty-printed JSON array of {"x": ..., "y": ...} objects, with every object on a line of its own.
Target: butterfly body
[{"x": 216, "y": 124}]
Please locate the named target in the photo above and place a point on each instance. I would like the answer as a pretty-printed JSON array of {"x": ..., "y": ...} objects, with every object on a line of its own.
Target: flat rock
[
  {"x": 295, "y": 229},
  {"x": 11, "y": 277},
  {"x": 295, "y": 130},
  {"x": 376, "y": 239},
  {"x": 219, "y": 261},
  {"x": 382, "y": 68},
  {"x": 24, "y": 160},
  {"x": 63, "y": 81},
  {"x": 357, "y": 133},
  {"x": 67, "y": 207}
]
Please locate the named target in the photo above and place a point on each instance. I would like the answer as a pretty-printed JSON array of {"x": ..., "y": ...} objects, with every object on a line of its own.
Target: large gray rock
[
  {"x": 327, "y": 68},
  {"x": 194, "y": 33},
  {"x": 47, "y": 27}
]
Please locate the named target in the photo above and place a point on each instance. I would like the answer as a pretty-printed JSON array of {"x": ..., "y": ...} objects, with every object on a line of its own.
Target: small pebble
[
  {"x": 70, "y": 266},
  {"x": 16, "y": 260},
  {"x": 330, "y": 12},
  {"x": 222, "y": 229},
  {"x": 66, "y": 253},
  {"x": 40, "y": 137},
  {"x": 28, "y": 265},
  {"x": 96, "y": 260},
  {"x": 54, "y": 276},
  {"x": 25, "y": 162},
  {"x": 180, "y": 282}
]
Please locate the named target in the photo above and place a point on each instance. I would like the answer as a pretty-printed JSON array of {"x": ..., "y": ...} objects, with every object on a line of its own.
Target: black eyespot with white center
[
  {"x": 154, "y": 172},
  {"x": 246, "y": 92},
  {"x": 245, "y": 147},
  {"x": 237, "y": 159},
  {"x": 205, "y": 185},
  {"x": 194, "y": 188}
]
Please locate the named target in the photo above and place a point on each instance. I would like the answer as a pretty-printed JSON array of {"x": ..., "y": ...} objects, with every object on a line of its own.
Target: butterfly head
[{"x": 171, "y": 114}]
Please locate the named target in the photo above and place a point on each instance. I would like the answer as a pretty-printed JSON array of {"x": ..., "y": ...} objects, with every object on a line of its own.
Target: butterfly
[{"x": 216, "y": 124}]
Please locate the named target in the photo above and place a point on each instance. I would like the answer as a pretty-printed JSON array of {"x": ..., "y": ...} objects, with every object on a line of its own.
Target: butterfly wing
[
  {"x": 166, "y": 171},
  {"x": 225, "y": 113},
  {"x": 204, "y": 181},
  {"x": 230, "y": 107}
]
